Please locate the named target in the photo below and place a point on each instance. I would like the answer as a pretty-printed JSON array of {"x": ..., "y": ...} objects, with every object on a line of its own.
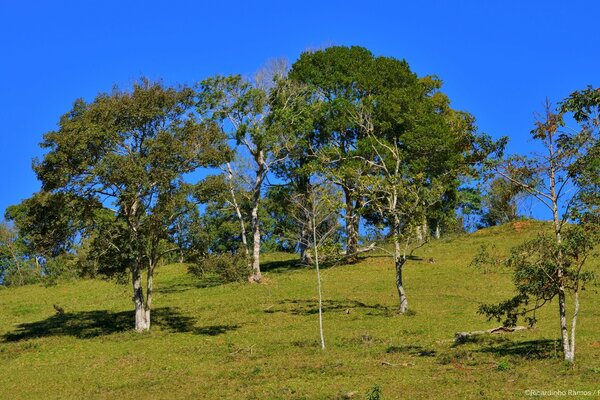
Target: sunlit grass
[{"x": 262, "y": 341}]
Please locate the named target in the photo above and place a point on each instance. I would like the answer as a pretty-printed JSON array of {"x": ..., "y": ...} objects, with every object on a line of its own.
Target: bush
[
  {"x": 23, "y": 272},
  {"x": 227, "y": 267}
]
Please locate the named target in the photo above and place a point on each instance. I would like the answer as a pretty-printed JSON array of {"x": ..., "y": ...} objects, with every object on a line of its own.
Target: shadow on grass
[
  {"x": 282, "y": 266},
  {"x": 530, "y": 349},
  {"x": 90, "y": 324},
  {"x": 197, "y": 283},
  {"x": 310, "y": 307}
]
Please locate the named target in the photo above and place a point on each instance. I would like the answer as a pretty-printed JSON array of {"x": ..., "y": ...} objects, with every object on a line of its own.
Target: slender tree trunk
[
  {"x": 305, "y": 233},
  {"x": 306, "y": 222},
  {"x": 351, "y": 226},
  {"x": 238, "y": 211},
  {"x": 261, "y": 173},
  {"x": 438, "y": 232},
  {"x": 256, "y": 274},
  {"x": 149, "y": 291},
  {"x": 564, "y": 332},
  {"x": 141, "y": 324},
  {"x": 315, "y": 245},
  {"x": 571, "y": 357},
  {"x": 399, "y": 260}
]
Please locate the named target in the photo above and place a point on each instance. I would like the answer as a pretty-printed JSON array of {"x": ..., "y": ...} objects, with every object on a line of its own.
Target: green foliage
[
  {"x": 536, "y": 265},
  {"x": 486, "y": 260},
  {"x": 227, "y": 267},
  {"x": 374, "y": 393},
  {"x": 503, "y": 365},
  {"x": 500, "y": 202},
  {"x": 123, "y": 157}
]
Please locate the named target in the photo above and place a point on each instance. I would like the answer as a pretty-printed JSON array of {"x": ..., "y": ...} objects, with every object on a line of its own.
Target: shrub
[{"x": 227, "y": 267}]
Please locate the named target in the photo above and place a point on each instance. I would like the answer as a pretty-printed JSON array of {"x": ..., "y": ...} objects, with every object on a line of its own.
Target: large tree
[
  {"x": 125, "y": 155},
  {"x": 338, "y": 78},
  {"x": 416, "y": 148}
]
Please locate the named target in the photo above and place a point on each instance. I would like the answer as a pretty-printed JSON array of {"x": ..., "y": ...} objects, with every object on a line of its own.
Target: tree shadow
[
  {"x": 310, "y": 307},
  {"x": 282, "y": 266},
  {"x": 91, "y": 324},
  {"x": 530, "y": 349},
  {"x": 177, "y": 287}
]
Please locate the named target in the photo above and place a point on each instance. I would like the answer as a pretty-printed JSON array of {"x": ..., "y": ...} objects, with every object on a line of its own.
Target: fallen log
[
  {"x": 358, "y": 251},
  {"x": 461, "y": 337}
]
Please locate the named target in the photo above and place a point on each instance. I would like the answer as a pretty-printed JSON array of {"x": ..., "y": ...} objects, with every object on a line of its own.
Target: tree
[
  {"x": 124, "y": 155},
  {"x": 16, "y": 268},
  {"x": 246, "y": 107},
  {"x": 320, "y": 206},
  {"x": 552, "y": 266},
  {"x": 391, "y": 142},
  {"x": 338, "y": 77},
  {"x": 501, "y": 202}
]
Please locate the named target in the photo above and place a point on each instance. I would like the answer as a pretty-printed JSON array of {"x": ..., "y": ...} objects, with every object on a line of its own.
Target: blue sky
[{"x": 498, "y": 60}]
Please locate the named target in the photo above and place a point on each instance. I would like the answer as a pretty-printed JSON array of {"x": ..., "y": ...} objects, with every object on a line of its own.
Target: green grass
[{"x": 261, "y": 341}]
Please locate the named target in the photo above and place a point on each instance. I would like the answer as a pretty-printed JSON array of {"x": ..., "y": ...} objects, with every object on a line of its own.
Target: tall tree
[
  {"x": 416, "y": 148},
  {"x": 244, "y": 109},
  {"x": 338, "y": 77},
  {"x": 552, "y": 266},
  {"x": 125, "y": 155},
  {"x": 500, "y": 202}
]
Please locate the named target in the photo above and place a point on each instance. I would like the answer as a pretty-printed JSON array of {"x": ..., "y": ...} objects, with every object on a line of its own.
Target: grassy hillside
[{"x": 261, "y": 341}]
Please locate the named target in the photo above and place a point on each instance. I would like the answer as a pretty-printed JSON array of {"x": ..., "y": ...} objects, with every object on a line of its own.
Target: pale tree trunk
[
  {"x": 399, "y": 260},
  {"x": 571, "y": 357},
  {"x": 254, "y": 221},
  {"x": 438, "y": 232},
  {"x": 305, "y": 233},
  {"x": 238, "y": 211},
  {"x": 567, "y": 345},
  {"x": 149, "y": 291},
  {"x": 256, "y": 274},
  {"x": 141, "y": 323},
  {"x": 564, "y": 332},
  {"x": 315, "y": 245}
]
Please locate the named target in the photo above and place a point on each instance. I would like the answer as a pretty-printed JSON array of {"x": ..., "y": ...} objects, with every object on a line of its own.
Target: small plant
[
  {"x": 503, "y": 366},
  {"x": 374, "y": 393},
  {"x": 485, "y": 261}
]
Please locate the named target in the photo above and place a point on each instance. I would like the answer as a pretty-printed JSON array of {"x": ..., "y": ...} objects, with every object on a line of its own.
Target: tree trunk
[
  {"x": 141, "y": 323},
  {"x": 564, "y": 332},
  {"x": 571, "y": 357},
  {"x": 438, "y": 232},
  {"x": 306, "y": 239},
  {"x": 256, "y": 274},
  {"x": 399, "y": 260},
  {"x": 351, "y": 225},
  {"x": 238, "y": 211},
  {"x": 149, "y": 290},
  {"x": 315, "y": 248}
]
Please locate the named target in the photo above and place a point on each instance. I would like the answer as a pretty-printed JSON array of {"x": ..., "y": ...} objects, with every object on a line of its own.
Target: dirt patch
[{"x": 518, "y": 226}]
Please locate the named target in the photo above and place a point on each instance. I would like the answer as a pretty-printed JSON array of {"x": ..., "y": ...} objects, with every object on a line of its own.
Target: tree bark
[
  {"x": 141, "y": 323},
  {"x": 254, "y": 221},
  {"x": 315, "y": 248},
  {"x": 149, "y": 291},
  {"x": 351, "y": 225},
  {"x": 399, "y": 260},
  {"x": 238, "y": 211}
]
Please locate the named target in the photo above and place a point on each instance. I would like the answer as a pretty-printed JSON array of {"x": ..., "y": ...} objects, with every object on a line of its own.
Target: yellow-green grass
[{"x": 243, "y": 341}]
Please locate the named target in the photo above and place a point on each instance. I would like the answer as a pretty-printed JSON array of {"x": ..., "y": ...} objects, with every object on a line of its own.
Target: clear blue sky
[{"x": 499, "y": 60}]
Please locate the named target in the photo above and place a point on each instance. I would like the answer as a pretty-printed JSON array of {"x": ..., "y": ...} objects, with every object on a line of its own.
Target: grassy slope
[{"x": 261, "y": 341}]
